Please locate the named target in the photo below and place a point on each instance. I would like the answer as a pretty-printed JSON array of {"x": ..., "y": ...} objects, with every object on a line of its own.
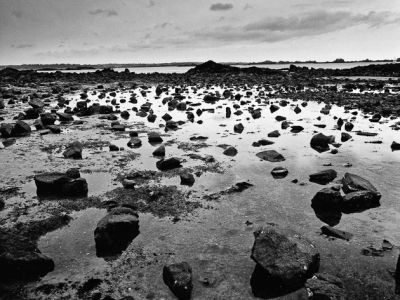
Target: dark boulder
[
  {"x": 360, "y": 201},
  {"x": 285, "y": 260},
  {"x": 230, "y": 151},
  {"x": 168, "y": 164},
  {"x": 116, "y": 231},
  {"x": 395, "y": 146},
  {"x": 154, "y": 138},
  {"x": 348, "y": 126},
  {"x": 21, "y": 129},
  {"x": 65, "y": 117},
  {"x": 296, "y": 129},
  {"x": 279, "y": 172},
  {"x": 178, "y": 277},
  {"x": 345, "y": 137},
  {"x": 187, "y": 179},
  {"x": 134, "y": 142},
  {"x": 270, "y": 155},
  {"x": 74, "y": 150},
  {"x": 48, "y": 118},
  {"x": 238, "y": 128},
  {"x": 60, "y": 184},
  {"x": 323, "y": 177},
  {"x": 6, "y": 130},
  {"x": 160, "y": 151},
  {"x": 354, "y": 183},
  {"x": 320, "y": 142},
  {"x": 327, "y": 198},
  {"x": 274, "y": 134},
  {"x": 273, "y": 108}
]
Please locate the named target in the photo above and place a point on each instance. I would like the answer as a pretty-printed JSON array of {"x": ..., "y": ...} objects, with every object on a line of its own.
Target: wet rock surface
[{"x": 207, "y": 220}]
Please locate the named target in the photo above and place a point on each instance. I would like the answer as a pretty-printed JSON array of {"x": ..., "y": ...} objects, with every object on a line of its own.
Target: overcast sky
[{"x": 138, "y": 31}]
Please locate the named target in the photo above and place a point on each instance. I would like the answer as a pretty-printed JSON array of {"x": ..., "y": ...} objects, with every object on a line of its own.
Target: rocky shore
[{"x": 221, "y": 183}]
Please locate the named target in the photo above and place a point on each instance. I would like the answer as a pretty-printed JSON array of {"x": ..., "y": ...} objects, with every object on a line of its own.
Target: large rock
[
  {"x": 168, "y": 164},
  {"x": 74, "y": 150},
  {"x": 285, "y": 260},
  {"x": 345, "y": 137},
  {"x": 320, "y": 142},
  {"x": 178, "y": 277},
  {"x": 354, "y": 183},
  {"x": 238, "y": 128},
  {"x": 395, "y": 146},
  {"x": 134, "y": 142},
  {"x": 279, "y": 172},
  {"x": 360, "y": 201},
  {"x": 36, "y": 103},
  {"x": 160, "y": 151},
  {"x": 60, "y": 184},
  {"x": 154, "y": 137},
  {"x": 20, "y": 259},
  {"x": 48, "y": 118},
  {"x": 116, "y": 231},
  {"x": 230, "y": 151},
  {"x": 323, "y": 177},
  {"x": 6, "y": 130},
  {"x": 271, "y": 155},
  {"x": 21, "y": 129},
  {"x": 323, "y": 286},
  {"x": 327, "y": 198}
]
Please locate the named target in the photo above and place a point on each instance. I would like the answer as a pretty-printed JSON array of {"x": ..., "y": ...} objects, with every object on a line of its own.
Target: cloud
[
  {"x": 22, "y": 46},
  {"x": 284, "y": 28},
  {"x": 221, "y": 6},
  {"x": 106, "y": 12}
]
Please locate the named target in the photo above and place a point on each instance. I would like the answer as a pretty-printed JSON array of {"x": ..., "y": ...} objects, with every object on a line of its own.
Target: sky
[{"x": 155, "y": 31}]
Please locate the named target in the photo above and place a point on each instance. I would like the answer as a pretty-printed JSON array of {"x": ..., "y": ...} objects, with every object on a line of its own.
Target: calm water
[
  {"x": 180, "y": 69},
  {"x": 218, "y": 240}
]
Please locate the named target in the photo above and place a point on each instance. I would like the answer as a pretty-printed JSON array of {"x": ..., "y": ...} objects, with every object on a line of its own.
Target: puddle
[{"x": 73, "y": 248}]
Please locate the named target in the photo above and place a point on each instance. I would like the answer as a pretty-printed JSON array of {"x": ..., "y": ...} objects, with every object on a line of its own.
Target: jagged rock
[
  {"x": 296, "y": 129},
  {"x": 21, "y": 129},
  {"x": 65, "y": 117},
  {"x": 395, "y": 146},
  {"x": 178, "y": 277},
  {"x": 116, "y": 231},
  {"x": 273, "y": 108},
  {"x": 323, "y": 177}
]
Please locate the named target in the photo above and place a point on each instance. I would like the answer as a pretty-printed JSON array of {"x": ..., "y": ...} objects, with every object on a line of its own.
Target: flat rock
[
  {"x": 270, "y": 155},
  {"x": 323, "y": 177}
]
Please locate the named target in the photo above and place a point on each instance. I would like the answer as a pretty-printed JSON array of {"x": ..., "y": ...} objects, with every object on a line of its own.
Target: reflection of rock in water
[{"x": 331, "y": 217}]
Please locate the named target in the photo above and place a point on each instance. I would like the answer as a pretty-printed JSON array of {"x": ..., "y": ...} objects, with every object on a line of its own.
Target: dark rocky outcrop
[
  {"x": 60, "y": 184},
  {"x": 327, "y": 198}
]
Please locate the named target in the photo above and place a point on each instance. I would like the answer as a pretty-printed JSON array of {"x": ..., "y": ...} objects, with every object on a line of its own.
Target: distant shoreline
[{"x": 71, "y": 67}]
